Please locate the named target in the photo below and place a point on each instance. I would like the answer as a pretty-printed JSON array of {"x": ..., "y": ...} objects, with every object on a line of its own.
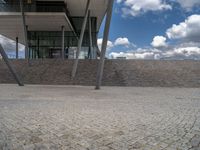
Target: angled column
[
  {"x": 17, "y": 48},
  {"x": 63, "y": 43},
  {"x": 80, "y": 40},
  {"x": 25, "y": 30},
  {"x": 12, "y": 70},
  {"x": 90, "y": 35},
  {"x": 104, "y": 44},
  {"x": 71, "y": 26}
]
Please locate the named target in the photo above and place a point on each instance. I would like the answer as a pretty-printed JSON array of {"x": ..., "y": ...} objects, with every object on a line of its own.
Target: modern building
[
  {"x": 53, "y": 26},
  {"x": 64, "y": 29}
]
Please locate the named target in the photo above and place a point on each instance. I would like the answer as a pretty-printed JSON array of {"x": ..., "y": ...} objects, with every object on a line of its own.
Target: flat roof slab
[
  {"x": 98, "y": 8},
  {"x": 11, "y": 24}
]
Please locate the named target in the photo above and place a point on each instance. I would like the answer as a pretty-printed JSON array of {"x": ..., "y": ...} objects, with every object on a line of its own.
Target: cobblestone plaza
[{"x": 114, "y": 118}]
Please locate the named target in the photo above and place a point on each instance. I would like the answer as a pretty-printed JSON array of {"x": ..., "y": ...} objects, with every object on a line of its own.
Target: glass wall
[
  {"x": 9, "y": 6},
  {"x": 47, "y": 44},
  {"x": 33, "y": 6}
]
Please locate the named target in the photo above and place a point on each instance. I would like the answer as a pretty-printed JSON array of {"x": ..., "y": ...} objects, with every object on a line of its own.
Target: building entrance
[{"x": 55, "y": 53}]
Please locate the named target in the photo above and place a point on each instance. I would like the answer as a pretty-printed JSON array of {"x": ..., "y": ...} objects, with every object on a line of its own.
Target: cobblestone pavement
[{"x": 114, "y": 118}]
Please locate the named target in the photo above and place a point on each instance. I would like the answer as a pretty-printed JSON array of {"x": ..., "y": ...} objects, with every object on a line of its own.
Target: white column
[
  {"x": 80, "y": 40},
  {"x": 90, "y": 36},
  {"x": 25, "y": 30},
  {"x": 104, "y": 45},
  {"x": 17, "y": 48},
  {"x": 63, "y": 43}
]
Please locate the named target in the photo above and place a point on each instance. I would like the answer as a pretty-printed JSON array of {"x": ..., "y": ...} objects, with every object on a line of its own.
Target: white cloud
[
  {"x": 115, "y": 55},
  {"x": 137, "y": 7},
  {"x": 159, "y": 42},
  {"x": 138, "y": 54},
  {"x": 180, "y": 53},
  {"x": 119, "y": 1},
  {"x": 122, "y": 41},
  {"x": 129, "y": 55},
  {"x": 188, "y": 4},
  {"x": 184, "y": 52},
  {"x": 188, "y": 30},
  {"x": 109, "y": 44}
]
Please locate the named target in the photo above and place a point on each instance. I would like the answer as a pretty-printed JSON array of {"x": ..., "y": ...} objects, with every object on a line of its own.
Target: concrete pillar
[
  {"x": 17, "y": 48},
  {"x": 104, "y": 45},
  {"x": 80, "y": 40},
  {"x": 90, "y": 36},
  {"x": 12, "y": 70},
  {"x": 25, "y": 30},
  {"x": 38, "y": 49},
  {"x": 63, "y": 43}
]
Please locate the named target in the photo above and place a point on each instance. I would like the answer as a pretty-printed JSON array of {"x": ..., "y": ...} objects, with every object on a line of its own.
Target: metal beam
[
  {"x": 104, "y": 45},
  {"x": 12, "y": 70},
  {"x": 90, "y": 35},
  {"x": 80, "y": 40},
  {"x": 25, "y": 30},
  {"x": 17, "y": 48},
  {"x": 63, "y": 43}
]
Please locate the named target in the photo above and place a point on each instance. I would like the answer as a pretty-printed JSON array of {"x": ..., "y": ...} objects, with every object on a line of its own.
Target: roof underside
[
  {"x": 77, "y": 8},
  {"x": 97, "y": 8},
  {"x": 11, "y": 23}
]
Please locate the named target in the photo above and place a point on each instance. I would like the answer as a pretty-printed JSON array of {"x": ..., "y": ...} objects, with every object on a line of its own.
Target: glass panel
[
  {"x": 33, "y": 6},
  {"x": 9, "y": 6},
  {"x": 47, "y": 44}
]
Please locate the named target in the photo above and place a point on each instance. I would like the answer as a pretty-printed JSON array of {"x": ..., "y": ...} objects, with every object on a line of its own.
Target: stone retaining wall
[{"x": 117, "y": 72}]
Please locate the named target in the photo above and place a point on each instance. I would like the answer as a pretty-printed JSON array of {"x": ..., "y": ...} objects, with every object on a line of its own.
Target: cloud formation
[
  {"x": 122, "y": 41},
  {"x": 109, "y": 44},
  {"x": 137, "y": 7},
  {"x": 188, "y": 4},
  {"x": 188, "y": 30},
  {"x": 184, "y": 53},
  {"x": 159, "y": 42},
  {"x": 138, "y": 54},
  {"x": 173, "y": 54}
]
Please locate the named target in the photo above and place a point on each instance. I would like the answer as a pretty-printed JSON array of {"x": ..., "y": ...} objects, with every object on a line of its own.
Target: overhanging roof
[
  {"x": 98, "y": 8},
  {"x": 77, "y": 8},
  {"x": 11, "y": 23}
]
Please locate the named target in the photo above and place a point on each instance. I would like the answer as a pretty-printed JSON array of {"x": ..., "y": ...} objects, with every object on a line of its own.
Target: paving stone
[{"x": 115, "y": 118}]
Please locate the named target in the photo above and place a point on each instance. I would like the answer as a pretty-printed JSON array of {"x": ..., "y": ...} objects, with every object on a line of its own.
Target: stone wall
[{"x": 117, "y": 72}]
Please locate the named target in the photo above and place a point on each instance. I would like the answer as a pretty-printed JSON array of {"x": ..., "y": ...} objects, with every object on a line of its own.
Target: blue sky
[{"x": 140, "y": 21}]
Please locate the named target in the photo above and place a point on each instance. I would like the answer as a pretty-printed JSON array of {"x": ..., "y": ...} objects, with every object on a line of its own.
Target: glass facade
[
  {"x": 33, "y": 6},
  {"x": 48, "y": 44}
]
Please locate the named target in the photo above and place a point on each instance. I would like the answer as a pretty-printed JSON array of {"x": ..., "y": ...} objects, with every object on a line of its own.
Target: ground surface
[{"x": 121, "y": 118}]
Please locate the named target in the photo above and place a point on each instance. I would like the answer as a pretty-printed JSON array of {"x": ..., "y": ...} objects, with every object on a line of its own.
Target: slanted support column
[
  {"x": 17, "y": 48},
  {"x": 63, "y": 43},
  {"x": 104, "y": 45},
  {"x": 25, "y": 30},
  {"x": 80, "y": 40},
  {"x": 12, "y": 70},
  {"x": 90, "y": 35}
]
